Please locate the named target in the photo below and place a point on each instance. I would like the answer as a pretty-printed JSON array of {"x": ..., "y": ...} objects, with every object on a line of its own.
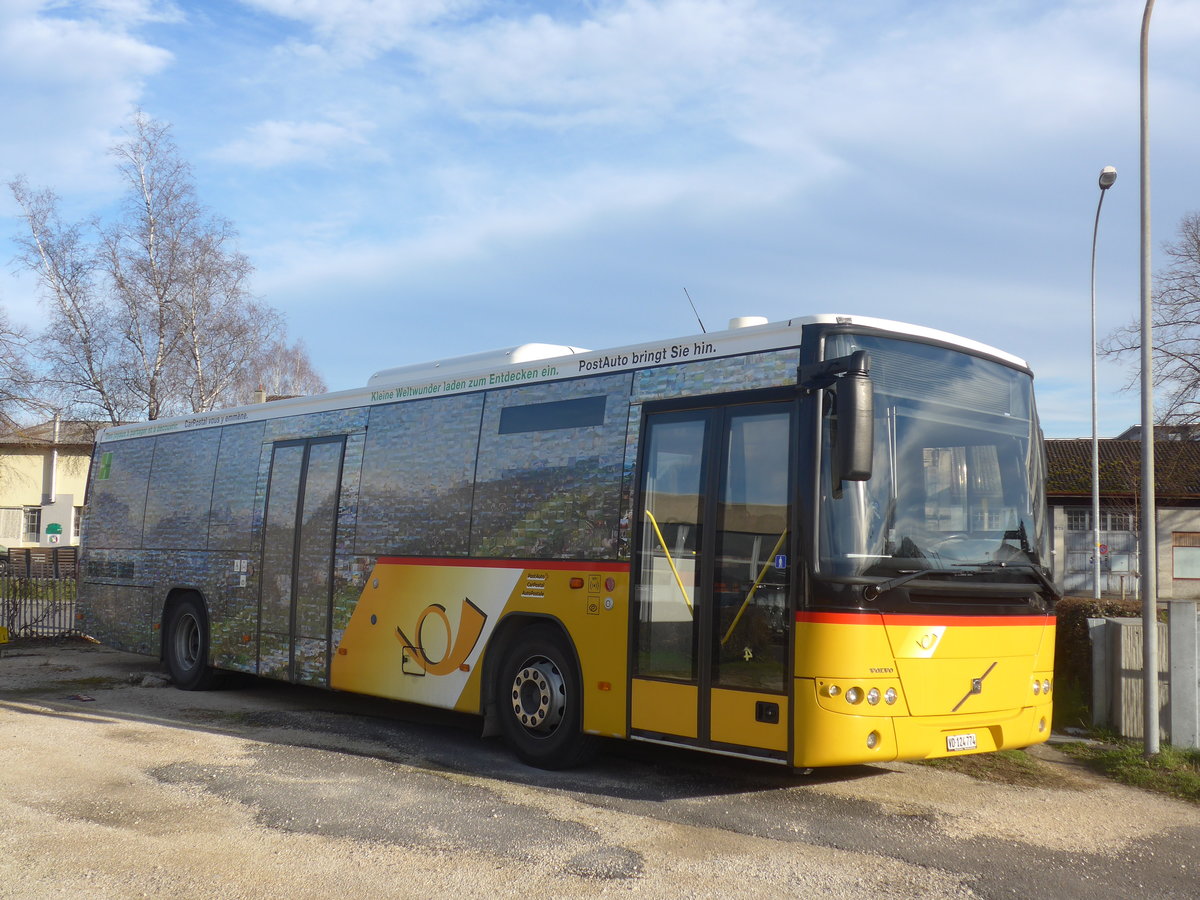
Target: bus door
[
  {"x": 711, "y": 632},
  {"x": 297, "y": 562}
]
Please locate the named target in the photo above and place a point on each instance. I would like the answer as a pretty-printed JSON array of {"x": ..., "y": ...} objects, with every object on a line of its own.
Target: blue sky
[{"x": 426, "y": 178}]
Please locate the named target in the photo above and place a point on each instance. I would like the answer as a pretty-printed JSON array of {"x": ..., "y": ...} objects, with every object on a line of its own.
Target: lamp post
[
  {"x": 1108, "y": 175},
  {"x": 1149, "y": 562}
]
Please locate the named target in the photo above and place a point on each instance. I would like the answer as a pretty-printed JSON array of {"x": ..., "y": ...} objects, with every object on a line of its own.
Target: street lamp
[
  {"x": 1107, "y": 176},
  {"x": 1149, "y": 560}
]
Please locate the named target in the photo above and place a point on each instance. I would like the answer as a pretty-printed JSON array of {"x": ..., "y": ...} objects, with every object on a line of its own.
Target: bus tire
[
  {"x": 185, "y": 645},
  {"x": 539, "y": 700}
]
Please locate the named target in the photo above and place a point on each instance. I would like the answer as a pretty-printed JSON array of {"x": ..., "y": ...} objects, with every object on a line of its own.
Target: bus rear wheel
[
  {"x": 185, "y": 645},
  {"x": 538, "y": 697}
]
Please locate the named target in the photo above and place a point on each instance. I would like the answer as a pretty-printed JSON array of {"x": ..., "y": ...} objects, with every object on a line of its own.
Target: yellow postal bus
[{"x": 814, "y": 542}]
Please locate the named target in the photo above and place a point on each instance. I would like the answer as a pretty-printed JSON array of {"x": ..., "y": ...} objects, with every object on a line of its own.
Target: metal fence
[
  {"x": 40, "y": 562},
  {"x": 37, "y": 607}
]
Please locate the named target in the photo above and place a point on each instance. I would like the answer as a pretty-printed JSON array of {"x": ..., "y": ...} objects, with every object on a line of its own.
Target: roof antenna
[{"x": 698, "y": 319}]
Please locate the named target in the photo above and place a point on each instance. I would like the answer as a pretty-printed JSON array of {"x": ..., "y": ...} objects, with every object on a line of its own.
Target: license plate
[{"x": 960, "y": 742}]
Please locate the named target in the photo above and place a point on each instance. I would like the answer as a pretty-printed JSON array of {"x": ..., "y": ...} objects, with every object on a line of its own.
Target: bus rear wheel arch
[
  {"x": 538, "y": 701},
  {"x": 186, "y": 641}
]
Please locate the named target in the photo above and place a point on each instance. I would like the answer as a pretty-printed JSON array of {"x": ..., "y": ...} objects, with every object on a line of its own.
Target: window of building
[
  {"x": 1079, "y": 520},
  {"x": 1186, "y": 554},
  {"x": 1117, "y": 520},
  {"x": 33, "y": 524},
  {"x": 12, "y": 526},
  {"x": 76, "y": 521}
]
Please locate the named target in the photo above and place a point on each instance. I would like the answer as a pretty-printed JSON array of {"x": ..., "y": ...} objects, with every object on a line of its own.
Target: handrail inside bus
[
  {"x": 754, "y": 587},
  {"x": 663, "y": 543}
]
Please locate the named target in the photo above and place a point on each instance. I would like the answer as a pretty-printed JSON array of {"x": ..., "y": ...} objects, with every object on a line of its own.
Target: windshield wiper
[
  {"x": 1037, "y": 572},
  {"x": 872, "y": 591}
]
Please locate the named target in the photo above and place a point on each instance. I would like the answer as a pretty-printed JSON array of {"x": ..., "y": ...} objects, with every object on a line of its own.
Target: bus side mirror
[
  {"x": 848, "y": 379},
  {"x": 855, "y": 426}
]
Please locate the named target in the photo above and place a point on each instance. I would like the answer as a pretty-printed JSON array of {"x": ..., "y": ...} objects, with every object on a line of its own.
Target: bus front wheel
[
  {"x": 186, "y": 645},
  {"x": 538, "y": 697}
]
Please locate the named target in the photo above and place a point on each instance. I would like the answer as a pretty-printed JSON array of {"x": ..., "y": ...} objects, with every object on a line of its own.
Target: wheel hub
[{"x": 539, "y": 695}]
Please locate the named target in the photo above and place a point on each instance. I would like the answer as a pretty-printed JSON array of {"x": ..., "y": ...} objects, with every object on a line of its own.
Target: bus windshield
[{"x": 957, "y": 481}]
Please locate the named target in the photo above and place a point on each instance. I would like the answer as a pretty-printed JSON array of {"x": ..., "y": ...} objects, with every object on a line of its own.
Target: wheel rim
[
  {"x": 539, "y": 696},
  {"x": 187, "y": 641}
]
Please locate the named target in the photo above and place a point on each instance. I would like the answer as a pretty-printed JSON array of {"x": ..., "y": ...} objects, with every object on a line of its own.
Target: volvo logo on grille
[{"x": 976, "y": 688}]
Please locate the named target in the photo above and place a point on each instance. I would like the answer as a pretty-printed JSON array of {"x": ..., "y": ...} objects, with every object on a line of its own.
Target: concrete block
[
  {"x": 1101, "y": 678},
  {"x": 1125, "y": 653},
  {"x": 1184, "y": 627}
]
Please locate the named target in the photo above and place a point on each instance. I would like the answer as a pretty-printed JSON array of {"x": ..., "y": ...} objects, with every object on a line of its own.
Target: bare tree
[
  {"x": 191, "y": 323},
  {"x": 1176, "y": 328},
  {"x": 16, "y": 377},
  {"x": 153, "y": 315},
  {"x": 76, "y": 349},
  {"x": 280, "y": 371}
]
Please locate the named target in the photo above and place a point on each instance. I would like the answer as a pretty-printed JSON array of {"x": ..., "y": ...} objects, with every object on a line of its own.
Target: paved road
[{"x": 114, "y": 785}]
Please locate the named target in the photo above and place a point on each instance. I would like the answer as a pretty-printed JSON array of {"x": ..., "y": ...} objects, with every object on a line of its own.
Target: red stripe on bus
[
  {"x": 563, "y": 565},
  {"x": 872, "y": 618}
]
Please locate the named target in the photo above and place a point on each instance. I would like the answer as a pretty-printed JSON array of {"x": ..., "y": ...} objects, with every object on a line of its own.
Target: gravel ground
[{"x": 112, "y": 784}]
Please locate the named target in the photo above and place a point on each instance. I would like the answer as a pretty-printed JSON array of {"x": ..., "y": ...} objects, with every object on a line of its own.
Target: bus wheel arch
[
  {"x": 534, "y": 695},
  {"x": 187, "y": 639}
]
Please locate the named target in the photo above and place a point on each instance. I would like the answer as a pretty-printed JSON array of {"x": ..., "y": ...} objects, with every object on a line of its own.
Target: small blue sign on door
[{"x": 781, "y": 561}]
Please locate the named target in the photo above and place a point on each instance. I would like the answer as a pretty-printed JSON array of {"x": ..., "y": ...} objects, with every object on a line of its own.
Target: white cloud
[
  {"x": 632, "y": 64},
  {"x": 359, "y": 30},
  {"x": 277, "y": 143},
  {"x": 69, "y": 85},
  {"x": 479, "y": 222}
]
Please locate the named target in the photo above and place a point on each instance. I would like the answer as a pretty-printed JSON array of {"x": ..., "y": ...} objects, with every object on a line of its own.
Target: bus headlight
[
  {"x": 873, "y": 696},
  {"x": 872, "y": 740},
  {"x": 889, "y": 696},
  {"x": 854, "y": 695},
  {"x": 1046, "y": 687},
  {"x": 1037, "y": 687}
]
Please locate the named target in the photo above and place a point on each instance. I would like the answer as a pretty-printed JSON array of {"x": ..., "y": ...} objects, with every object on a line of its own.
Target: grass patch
[
  {"x": 1002, "y": 767},
  {"x": 1174, "y": 771}
]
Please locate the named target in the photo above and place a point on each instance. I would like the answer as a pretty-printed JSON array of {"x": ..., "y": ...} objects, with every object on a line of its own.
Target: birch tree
[
  {"x": 285, "y": 370},
  {"x": 78, "y": 350},
  {"x": 150, "y": 313},
  {"x": 16, "y": 377},
  {"x": 1176, "y": 321}
]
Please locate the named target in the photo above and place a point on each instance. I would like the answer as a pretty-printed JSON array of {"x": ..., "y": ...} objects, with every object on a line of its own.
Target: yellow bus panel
[
  {"x": 665, "y": 707},
  {"x": 734, "y": 720}
]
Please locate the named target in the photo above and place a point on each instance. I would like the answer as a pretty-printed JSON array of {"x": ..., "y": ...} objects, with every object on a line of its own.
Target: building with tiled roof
[{"x": 1177, "y": 491}]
